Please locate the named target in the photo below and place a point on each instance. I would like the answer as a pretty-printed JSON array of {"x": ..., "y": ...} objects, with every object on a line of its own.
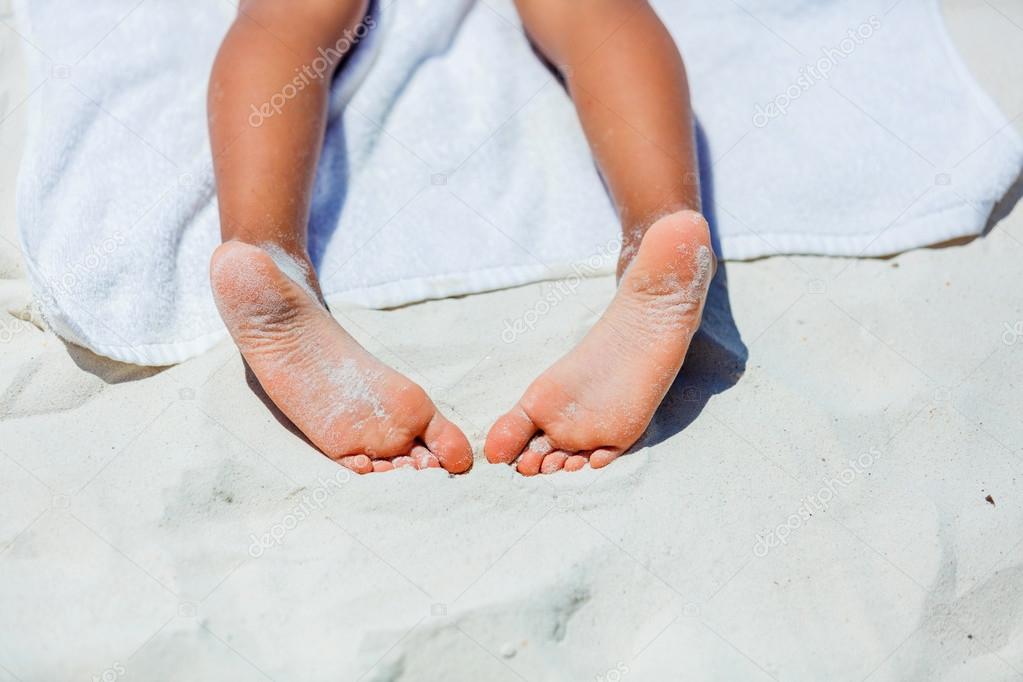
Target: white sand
[{"x": 129, "y": 498}]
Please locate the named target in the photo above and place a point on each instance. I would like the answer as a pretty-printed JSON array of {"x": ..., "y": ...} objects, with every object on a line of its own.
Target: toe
[
  {"x": 575, "y": 463},
  {"x": 423, "y": 458},
  {"x": 553, "y": 462},
  {"x": 403, "y": 462},
  {"x": 360, "y": 464},
  {"x": 508, "y": 436},
  {"x": 532, "y": 458},
  {"x": 603, "y": 456},
  {"x": 382, "y": 465},
  {"x": 447, "y": 442},
  {"x": 529, "y": 463}
]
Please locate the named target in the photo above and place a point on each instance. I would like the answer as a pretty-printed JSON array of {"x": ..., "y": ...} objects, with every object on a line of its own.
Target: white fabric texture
[{"x": 454, "y": 162}]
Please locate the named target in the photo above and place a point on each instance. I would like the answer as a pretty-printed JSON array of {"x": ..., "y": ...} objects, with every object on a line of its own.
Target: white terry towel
[{"x": 454, "y": 162}]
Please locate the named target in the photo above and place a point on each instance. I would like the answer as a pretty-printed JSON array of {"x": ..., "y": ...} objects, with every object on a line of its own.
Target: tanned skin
[{"x": 628, "y": 83}]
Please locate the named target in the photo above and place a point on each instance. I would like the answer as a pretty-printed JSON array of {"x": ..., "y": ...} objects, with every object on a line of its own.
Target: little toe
[
  {"x": 403, "y": 462},
  {"x": 508, "y": 436},
  {"x": 575, "y": 463},
  {"x": 360, "y": 464},
  {"x": 603, "y": 456},
  {"x": 448, "y": 444},
  {"x": 382, "y": 465},
  {"x": 553, "y": 462}
]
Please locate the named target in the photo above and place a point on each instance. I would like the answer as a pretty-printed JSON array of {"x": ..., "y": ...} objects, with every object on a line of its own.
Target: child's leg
[
  {"x": 629, "y": 86},
  {"x": 355, "y": 409}
]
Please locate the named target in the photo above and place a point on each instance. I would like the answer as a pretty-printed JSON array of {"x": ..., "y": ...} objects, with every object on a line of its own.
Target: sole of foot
[
  {"x": 594, "y": 403},
  {"x": 355, "y": 409}
]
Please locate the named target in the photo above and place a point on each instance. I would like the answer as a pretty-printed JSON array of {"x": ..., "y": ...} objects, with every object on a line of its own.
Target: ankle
[{"x": 688, "y": 225}]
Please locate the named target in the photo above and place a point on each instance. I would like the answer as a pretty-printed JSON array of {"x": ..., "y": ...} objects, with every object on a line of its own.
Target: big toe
[
  {"x": 508, "y": 436},
  {"x": 449, "y": 444}
]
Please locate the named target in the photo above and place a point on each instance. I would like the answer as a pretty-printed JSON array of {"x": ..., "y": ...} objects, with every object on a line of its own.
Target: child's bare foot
[
  {"x": 595, "y": 402},
  {"x": 354, "y": 408}
]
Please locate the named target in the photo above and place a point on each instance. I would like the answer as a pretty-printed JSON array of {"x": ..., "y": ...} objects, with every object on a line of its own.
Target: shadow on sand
[{"x": 717, "y": 356}]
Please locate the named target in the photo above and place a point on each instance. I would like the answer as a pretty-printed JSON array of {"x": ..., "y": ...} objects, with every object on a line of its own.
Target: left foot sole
[{"x": 353, "y": 407}]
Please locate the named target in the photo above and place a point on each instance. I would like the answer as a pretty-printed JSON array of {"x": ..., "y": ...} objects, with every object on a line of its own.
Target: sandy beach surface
[{"x": 831, "y": 491}]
